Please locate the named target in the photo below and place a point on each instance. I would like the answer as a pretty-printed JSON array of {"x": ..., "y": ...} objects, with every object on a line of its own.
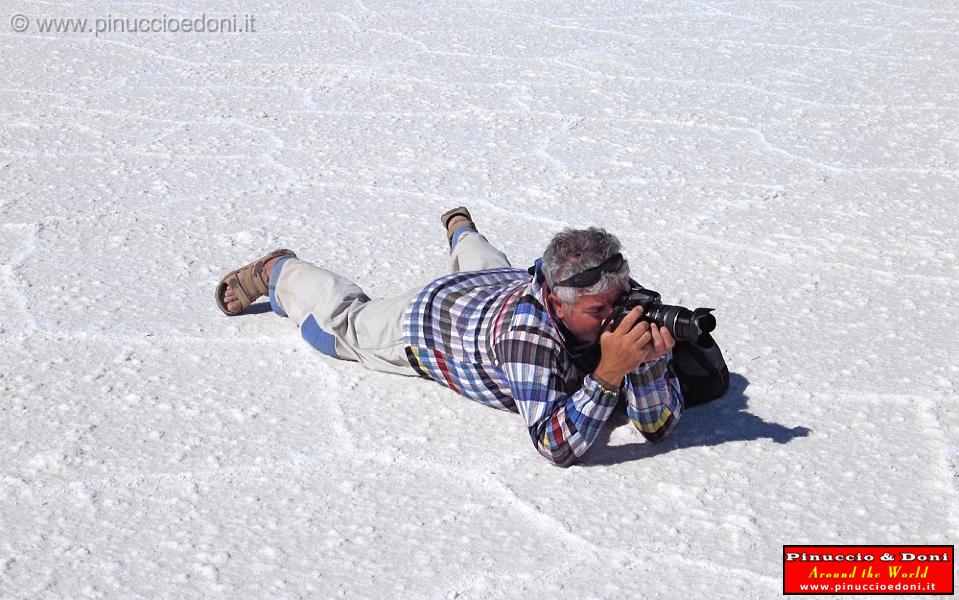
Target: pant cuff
[
  {"x": 274, "y": 279},
  {"x": 458, "y": 233}
]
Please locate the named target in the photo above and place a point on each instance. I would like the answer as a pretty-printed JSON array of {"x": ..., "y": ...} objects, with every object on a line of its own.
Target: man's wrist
[{"x": 607, "y": 382}]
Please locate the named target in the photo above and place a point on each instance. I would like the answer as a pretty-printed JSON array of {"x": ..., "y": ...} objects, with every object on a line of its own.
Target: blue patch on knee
[{"x": 318, "y": 338}]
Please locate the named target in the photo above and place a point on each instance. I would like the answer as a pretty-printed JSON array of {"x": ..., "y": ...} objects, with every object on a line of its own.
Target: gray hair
[{"x": 572, "y": 251}]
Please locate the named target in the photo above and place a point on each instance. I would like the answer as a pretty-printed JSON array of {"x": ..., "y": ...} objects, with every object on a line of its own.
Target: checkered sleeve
[
  {"x": 562, "y": 426},
  {"x": 654, "y": 401}
]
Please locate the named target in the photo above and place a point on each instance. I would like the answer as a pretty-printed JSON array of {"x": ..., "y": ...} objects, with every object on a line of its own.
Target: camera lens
[
  {"x": 684, "y": 324},
  {"x": 706, "y": 321}
]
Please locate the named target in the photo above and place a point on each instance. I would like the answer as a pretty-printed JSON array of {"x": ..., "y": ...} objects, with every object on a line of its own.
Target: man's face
[{"x": 585, "y": 317}]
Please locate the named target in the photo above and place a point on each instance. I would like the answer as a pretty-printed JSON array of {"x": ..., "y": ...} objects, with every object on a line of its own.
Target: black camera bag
[{"x": 701, "y": 370}]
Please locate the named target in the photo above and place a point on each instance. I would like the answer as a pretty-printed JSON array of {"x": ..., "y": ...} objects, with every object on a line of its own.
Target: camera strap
[{"x": 584, "y": 356}]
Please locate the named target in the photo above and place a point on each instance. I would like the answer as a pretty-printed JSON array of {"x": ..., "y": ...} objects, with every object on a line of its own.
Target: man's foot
[
  {"x": 230, "y": 298},
  {"x": 241, "y": 287},
  {"x": 456, "y": 218}
]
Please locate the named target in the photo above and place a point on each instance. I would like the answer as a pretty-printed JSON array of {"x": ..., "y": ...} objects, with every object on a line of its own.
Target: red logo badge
[{"x": 899, "y": 570}]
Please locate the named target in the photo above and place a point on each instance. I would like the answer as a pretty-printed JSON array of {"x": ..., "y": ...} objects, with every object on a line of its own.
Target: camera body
[{"x": 682, "y": 323}]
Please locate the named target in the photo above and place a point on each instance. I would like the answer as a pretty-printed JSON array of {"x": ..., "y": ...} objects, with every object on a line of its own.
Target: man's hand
[{"x": 629, "y": 346}]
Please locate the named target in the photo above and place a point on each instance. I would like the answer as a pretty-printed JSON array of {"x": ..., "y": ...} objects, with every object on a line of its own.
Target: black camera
[{"x": 682, "y": 323}]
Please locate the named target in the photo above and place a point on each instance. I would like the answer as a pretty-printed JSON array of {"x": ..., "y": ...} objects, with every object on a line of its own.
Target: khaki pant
[{"x": 337, "y": 318}]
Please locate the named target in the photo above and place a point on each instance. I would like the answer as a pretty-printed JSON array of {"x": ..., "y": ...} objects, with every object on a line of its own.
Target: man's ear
[{"x": 556, "y": 305}]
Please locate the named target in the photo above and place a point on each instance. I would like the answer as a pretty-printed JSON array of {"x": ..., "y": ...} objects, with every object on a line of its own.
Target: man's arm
[
  {"x": 654, "y": 401},
  {"x": 562, "y": 426}
]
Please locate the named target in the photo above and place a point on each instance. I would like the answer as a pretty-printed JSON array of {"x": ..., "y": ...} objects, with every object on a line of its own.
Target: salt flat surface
[{"x": 794, "y": 164}]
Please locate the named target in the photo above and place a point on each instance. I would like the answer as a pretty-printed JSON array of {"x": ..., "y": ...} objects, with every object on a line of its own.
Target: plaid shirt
[{"x": 489, "y": 336}]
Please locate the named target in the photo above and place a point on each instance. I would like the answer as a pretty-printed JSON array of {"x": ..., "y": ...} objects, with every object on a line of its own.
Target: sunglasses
[{"x": 593, "y": 274}]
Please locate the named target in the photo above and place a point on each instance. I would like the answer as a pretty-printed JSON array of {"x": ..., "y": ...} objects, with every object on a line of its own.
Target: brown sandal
[
  {"x": 454, "y": 219},
  {"x": 249, "y": 282}
]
